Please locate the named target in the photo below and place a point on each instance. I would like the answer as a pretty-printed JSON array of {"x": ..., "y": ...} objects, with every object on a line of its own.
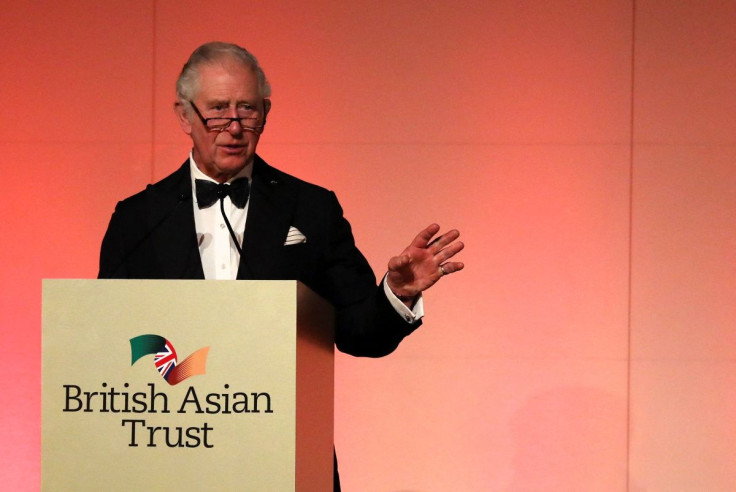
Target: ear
[
  {"x": 266, "y": 107},
  {"x": 181, "y": 114}
]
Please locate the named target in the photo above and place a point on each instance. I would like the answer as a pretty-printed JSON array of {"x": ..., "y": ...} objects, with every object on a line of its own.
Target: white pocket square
[{"x": 294, "y": 236}]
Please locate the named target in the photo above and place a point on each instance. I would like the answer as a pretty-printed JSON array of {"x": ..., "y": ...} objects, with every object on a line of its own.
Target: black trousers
[{"x": 337, "y": 476}]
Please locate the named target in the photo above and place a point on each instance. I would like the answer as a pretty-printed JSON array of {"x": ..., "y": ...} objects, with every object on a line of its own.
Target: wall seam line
[
  {"x": 630, "y": 245},
  {"x": 153, "y": 90}
]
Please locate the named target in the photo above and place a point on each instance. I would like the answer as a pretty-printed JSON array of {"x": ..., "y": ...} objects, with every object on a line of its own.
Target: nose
[
  {"x": 233, "y": 115},
  {"x": 235, "y": 130}
]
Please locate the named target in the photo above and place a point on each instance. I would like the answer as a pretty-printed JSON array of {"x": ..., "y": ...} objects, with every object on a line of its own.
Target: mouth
[{"x": 232, "y": 149}]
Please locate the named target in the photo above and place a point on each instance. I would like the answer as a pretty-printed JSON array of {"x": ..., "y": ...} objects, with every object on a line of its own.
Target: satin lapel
[
  {"x": 270, "y": 214},
  {"x": 176, "y": 239}
]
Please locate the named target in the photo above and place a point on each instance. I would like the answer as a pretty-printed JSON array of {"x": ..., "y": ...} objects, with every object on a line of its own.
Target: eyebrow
[{"x": 225, "y": 102}]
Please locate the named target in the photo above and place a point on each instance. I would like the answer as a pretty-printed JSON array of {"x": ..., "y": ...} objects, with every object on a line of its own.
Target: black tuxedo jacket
[{"x": 152, "y": 235}]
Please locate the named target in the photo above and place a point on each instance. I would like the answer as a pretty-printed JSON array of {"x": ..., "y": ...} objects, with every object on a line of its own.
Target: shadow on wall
[{"x": 570, "y": 439}]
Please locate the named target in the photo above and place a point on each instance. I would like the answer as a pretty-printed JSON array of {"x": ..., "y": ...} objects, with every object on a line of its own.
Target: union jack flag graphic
[{"x": 165, "y": 360}]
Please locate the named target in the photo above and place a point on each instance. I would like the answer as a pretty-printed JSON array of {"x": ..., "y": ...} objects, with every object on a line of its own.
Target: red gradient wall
[{"x": 585, "y": 150}]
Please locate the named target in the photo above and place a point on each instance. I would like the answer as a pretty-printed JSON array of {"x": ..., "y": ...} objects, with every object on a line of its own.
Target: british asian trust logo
[
  {"x": 132, "y": 404},
  {"x": 165, "y": 359}
]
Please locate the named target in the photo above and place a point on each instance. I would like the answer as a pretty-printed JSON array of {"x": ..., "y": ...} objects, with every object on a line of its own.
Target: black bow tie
[{"x": 208, "y": 192}]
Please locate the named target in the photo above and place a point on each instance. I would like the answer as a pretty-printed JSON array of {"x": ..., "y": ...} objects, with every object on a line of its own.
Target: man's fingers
[
  {"x": 451, "y": 267},
  {"x": 440, "y": 242},
  {"x": 424, "y": 237},
  {"x": 449, "y": 251}
]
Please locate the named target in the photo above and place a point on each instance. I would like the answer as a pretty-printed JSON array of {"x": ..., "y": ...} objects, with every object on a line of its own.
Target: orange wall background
[{"x": 586, "y": 151}]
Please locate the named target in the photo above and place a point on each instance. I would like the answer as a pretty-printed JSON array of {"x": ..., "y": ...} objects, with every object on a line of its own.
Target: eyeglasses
[{"x": 248, "y": 121}]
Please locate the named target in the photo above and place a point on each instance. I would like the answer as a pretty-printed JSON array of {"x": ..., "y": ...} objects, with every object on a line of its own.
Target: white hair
[{"x": 187, "y": 85}]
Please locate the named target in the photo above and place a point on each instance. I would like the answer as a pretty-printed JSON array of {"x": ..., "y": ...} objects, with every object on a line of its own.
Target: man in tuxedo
[{"x": 227, "y": 214}]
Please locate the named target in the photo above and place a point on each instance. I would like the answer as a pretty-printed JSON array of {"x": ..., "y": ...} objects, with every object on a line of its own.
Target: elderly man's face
[{"x": 223, "y": 88}]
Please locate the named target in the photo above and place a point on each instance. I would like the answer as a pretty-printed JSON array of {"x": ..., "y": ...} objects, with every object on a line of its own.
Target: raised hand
[{"x": 424, "y": 262}]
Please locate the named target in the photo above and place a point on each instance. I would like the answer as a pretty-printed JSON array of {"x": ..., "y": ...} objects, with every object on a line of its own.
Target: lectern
[{"x": 189, "y": 385}]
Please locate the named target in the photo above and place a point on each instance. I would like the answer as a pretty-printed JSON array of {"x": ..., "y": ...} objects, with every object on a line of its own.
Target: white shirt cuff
[{"x": 410, "y": 315}]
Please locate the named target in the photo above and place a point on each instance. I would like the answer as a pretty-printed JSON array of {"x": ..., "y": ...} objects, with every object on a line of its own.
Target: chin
[{"x": 231, "y": 168}]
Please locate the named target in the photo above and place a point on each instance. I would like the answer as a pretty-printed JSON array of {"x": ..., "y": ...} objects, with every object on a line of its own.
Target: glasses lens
[
  {"x": 218, "y": 123},
  {"x": 250, "y": 124}
]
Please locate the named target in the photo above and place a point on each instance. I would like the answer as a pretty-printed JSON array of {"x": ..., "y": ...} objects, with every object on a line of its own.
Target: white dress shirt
[{"x": 220, "y": 257}]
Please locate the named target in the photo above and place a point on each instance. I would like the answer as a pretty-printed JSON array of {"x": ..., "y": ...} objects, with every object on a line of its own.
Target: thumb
[{"x": 398, "y": 262}]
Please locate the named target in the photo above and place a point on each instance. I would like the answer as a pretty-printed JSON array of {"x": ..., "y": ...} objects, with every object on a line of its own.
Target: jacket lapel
[
  {"x": 270, "y": 214},
  {"x": 176, "y": 241}
]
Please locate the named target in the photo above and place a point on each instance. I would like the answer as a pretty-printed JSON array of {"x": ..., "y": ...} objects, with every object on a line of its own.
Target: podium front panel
[{"x": 180, "y": 385}]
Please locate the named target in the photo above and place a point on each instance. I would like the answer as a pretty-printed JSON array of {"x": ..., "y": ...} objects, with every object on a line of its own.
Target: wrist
[
  {"x": 400, "y": 296},
  {"x": 405, "y": 298}
]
